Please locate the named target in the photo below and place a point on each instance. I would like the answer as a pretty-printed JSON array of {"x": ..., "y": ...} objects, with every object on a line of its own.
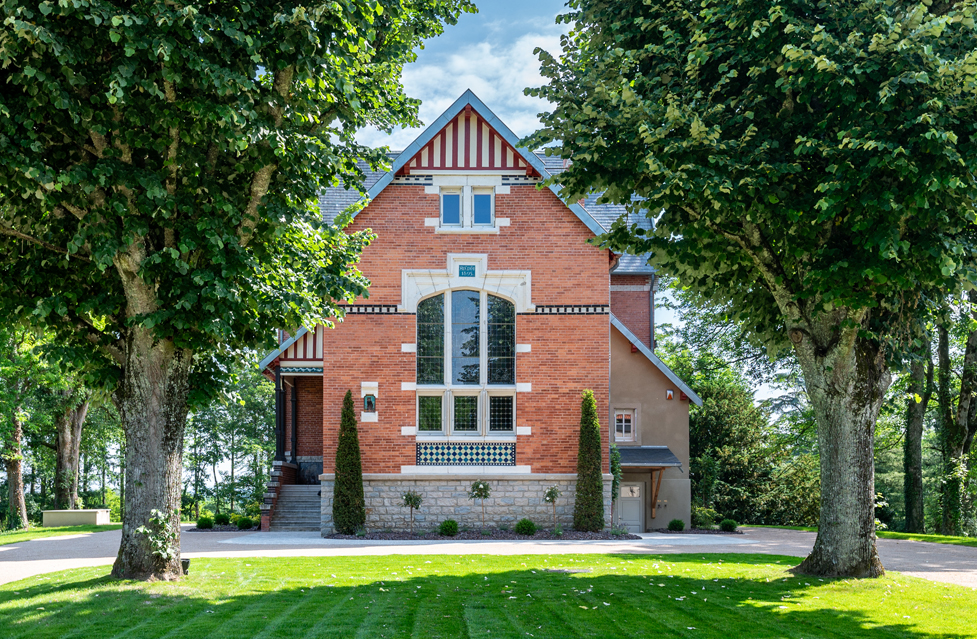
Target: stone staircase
[{"x": 297, "y": 508}]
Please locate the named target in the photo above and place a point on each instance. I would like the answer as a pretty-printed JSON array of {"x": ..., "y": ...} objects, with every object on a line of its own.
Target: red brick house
[{"x": 489, "y": 313}]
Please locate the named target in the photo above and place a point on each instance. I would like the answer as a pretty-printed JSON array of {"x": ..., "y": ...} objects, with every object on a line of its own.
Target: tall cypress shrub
[
  {"x": 588, "y": 507},
  {"x": 348, "y": 505}
]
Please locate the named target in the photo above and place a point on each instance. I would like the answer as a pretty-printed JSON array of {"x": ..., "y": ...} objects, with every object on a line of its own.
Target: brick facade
[
  {"x": 309, "y": 413},
  {"x": 569, "y": 353},
  {"x": 563, "y": 346},
  {"x": 633, "y": 307}
]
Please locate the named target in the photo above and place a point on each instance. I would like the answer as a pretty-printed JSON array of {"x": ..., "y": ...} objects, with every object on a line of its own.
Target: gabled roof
[
  {"x": 282, "y": 348},
  {"x": 660, "y": 365},
  {"x": 470, "y": 99}
]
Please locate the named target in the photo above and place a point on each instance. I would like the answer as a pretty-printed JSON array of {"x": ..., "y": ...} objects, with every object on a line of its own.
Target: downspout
[{"x": 651, "y": 311}]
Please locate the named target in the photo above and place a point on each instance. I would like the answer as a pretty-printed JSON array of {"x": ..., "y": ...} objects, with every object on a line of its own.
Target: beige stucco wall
[{"x": 637, "y": 383}]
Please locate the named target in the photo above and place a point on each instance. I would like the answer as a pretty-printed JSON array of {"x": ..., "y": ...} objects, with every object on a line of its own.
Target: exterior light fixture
[{"x": 669, "y": 394}]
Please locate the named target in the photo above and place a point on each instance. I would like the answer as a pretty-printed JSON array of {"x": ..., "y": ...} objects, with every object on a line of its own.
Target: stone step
[{"x": 274, "y": 528}]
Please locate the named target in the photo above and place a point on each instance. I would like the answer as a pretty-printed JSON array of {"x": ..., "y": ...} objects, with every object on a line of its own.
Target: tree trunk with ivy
[
  {"x": 846, "y": 378},
  {"x": 152, "y": 399}
]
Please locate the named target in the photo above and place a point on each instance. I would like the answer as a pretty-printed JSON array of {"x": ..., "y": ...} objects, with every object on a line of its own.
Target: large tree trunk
[
  {"x": 846, "y": 379},
  {"x": 14, "y": 465},
  {"x": 920, "y": 385},
  {"x": 152, "y": 398},
  {"x": 67, "y": 451}
]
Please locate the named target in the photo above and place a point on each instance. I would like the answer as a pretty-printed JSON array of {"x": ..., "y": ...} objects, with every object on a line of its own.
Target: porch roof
[{"x": 648, "y": 457}]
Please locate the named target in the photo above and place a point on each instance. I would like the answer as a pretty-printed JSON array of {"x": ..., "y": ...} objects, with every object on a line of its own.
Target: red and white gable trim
[{"x": 467, "y": 143}]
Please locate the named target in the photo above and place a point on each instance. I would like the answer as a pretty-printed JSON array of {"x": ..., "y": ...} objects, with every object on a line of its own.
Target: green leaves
[
  {"x": 160, "y": 164},
  {"x": 791, "y": 165}
]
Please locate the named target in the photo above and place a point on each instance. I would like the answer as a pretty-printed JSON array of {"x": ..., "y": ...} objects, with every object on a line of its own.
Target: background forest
[
  {"x": 64, "y": 430},
  {"x": 754, "y": 447}
]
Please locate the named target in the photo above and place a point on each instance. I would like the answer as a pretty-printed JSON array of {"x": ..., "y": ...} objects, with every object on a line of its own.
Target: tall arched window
[{"x": 466, "y": 372}]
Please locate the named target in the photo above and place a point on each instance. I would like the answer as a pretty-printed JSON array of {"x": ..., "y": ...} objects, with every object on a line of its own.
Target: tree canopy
[{"x": 159, "y": 169}]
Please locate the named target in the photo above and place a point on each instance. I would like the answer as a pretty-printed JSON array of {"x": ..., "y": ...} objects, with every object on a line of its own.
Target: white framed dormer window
[
  {"x": 466, "y": 356},
  {"x": 624, "y": 425}
]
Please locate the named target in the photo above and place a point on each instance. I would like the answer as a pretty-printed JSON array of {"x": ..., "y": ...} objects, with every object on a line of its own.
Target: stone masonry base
[{"x": 446, "y": 497}]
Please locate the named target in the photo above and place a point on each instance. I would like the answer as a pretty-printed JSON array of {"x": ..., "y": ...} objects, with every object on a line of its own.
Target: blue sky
[{"x": 491, "y": 53}]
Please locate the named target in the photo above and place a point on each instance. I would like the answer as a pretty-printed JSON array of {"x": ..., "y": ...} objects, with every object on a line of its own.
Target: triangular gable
[
  {"x": 660, "y": 365},
  {"x": 467, "y": 142},
  {"x": 468, "y": 99}
]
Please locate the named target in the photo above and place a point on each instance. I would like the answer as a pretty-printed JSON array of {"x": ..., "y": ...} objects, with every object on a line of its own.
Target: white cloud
[{"x": 496, "y": 73}]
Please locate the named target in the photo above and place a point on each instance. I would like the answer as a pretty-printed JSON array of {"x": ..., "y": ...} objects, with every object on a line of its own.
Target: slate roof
[{"x": 648, "y": 457}]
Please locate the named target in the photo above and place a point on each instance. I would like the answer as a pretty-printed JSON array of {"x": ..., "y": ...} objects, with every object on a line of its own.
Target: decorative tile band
[
  {"x": 444, "y": 454},
  {"x": 574, "y": 309},
  {"x": 370, "y": 309}
]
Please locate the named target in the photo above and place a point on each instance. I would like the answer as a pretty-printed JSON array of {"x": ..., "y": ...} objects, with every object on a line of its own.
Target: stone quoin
[{"x": 489, "y": 312}]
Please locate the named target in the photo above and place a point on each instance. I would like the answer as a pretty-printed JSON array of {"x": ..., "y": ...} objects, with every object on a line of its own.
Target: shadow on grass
[{"x": 494, "y": 597}]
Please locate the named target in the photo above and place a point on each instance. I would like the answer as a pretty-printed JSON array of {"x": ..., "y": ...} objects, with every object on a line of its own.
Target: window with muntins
[
  {"x": 468, "y": 209},
  {"x": 624, "y": 425},
  {"x": 466, "y": 364}
]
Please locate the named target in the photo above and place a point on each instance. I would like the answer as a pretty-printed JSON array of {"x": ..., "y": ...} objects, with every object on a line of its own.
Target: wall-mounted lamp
[
  {"x": 369, "y": 403},
  {"x": 669, "y": 394}
]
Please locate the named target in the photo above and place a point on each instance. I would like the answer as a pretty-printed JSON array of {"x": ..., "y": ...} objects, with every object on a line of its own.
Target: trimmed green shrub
[
  {"x": 525, "y": 527},
  {"x": 728, "y": 525},
  {"x": 703, "y": 517},
  {"x": 234, "y": 518},
  {"x": 222, "y": 519},
  {"x": 588, "y": 507},
  {"x": 677, "y": 525},
  {"x": 205, "y": 523},
  {"x": 448, "y": 528},
  {"x": 348, "y": 504},
  {"x": 244, "y": 523}
]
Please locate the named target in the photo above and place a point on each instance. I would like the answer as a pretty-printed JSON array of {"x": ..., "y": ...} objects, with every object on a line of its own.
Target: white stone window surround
[
  {"x": 516, "y": 287},
  {"x": 467, "y": 185},
  {"x": 448, "y": 432},
  {"x": 417, "y": 284},
  {"x": 635, "y": 410}
]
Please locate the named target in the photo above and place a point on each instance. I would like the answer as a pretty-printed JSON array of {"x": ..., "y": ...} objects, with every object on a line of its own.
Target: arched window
[{"x": 466, "y": 364}]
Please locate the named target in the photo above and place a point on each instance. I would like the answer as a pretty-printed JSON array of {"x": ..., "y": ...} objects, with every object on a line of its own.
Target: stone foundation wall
[{"x": 446, "y": 497}]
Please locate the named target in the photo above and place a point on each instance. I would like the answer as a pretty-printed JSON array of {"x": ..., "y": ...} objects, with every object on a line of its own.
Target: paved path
[{"x": 938, "y": 562}]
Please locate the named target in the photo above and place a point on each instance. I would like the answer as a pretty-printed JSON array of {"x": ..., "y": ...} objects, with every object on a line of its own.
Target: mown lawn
[
  {"x": 892, "y": 534},
  {"x": 17, "y": 536},
  {"x": 727, "y": 596}
]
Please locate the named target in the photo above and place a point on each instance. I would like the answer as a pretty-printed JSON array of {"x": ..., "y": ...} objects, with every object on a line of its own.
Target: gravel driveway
[{"x": 937, "y": 562}]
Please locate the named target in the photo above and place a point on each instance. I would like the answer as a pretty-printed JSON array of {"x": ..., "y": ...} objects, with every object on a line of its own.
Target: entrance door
[{"x": 631, "y": 508}]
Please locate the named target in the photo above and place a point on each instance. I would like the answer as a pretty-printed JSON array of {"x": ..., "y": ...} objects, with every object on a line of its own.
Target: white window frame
[
  {"x": 483, "y": 190},
  {"x": 634, "y": 425},
  {"x": 467, "y": 217},
  {"x": 482, "y": 390},
  {"x": 460, "y": 192}
]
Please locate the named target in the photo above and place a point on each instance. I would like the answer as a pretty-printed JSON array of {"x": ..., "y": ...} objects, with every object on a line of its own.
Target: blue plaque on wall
[{"x": 466, "y": 270}]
